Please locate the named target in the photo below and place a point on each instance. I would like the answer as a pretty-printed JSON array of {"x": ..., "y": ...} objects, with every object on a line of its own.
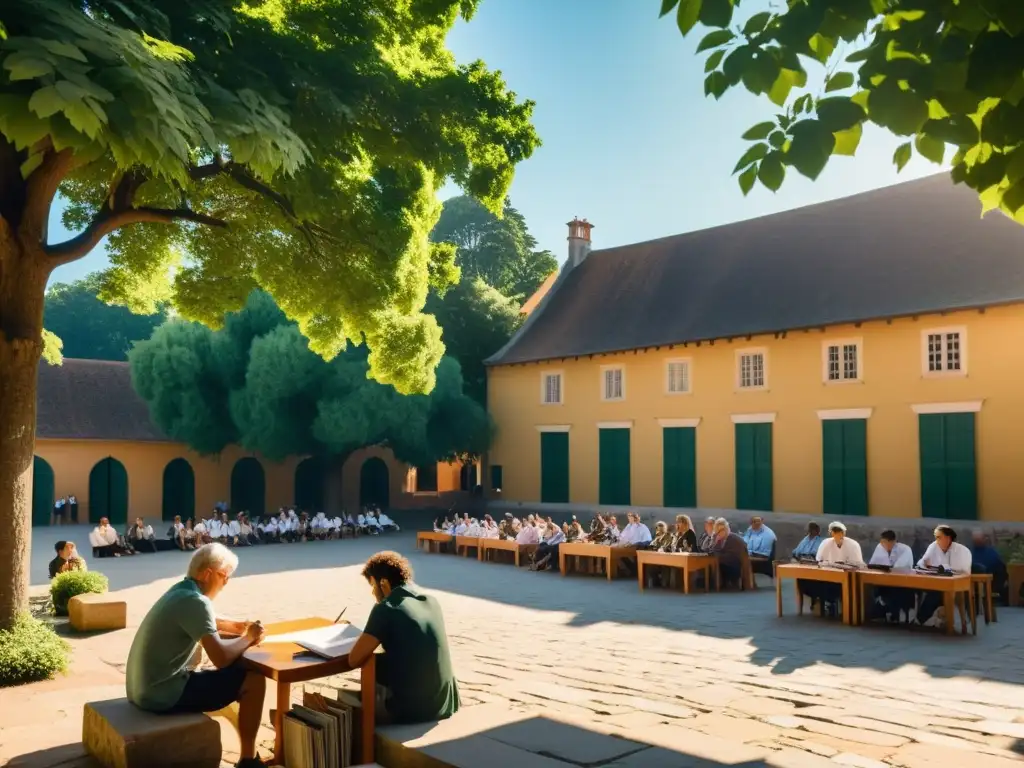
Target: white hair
[
  {"x": 722, "y": 522},
  {"x": 215, "y": 556},
  {"x": 835, "y": 525}
]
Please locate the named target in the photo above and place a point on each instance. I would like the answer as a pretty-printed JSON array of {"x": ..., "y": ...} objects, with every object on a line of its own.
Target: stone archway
[
  {"x": 179, "y": 491},
  {"x": 374, "y": 483},
  {"x": 108, "y": 492},
  {"x": 42, "y": 492}
]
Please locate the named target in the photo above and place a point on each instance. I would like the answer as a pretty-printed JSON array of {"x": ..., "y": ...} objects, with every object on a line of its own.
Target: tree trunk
[{"x": 23, "y": 275}]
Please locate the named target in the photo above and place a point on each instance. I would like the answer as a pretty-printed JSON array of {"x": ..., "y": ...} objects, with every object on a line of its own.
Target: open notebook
[{"x": 329, "y": 642}]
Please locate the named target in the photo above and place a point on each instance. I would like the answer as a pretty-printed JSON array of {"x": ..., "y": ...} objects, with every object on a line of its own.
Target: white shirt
[
  {"x": 385, "y": 520},
  {"x": 489, "y": 531},
  {"x": 528, "y": 534},
  {"x": 957, "y": 558},
  {"x": 199, "y": 527},
  {"x": 233, "y": 528},
  {"x": 460, "y": 529},
  {"x": 900, "y": 557},
  {"x": 270, "y": 526},
  {"x": 361, "y": 521},
  {"x": 107, "y": 534},
  {"x": 284, "y": 524},
  {"x": 832, "y": 554},
  {"x": 640, "y": 534}
]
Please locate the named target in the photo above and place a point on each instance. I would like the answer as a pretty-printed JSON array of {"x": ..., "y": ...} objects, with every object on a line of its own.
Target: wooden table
[
  {"x": 609, "y": 554},
  {"x": 982, "y": 583},
  {"x": 949, "y": 586},
  {"x": 435, "y": 540},
  {"x": 816, "y": 573},
  {"x": 465, "y": 543},
  {"x": 519, "y": 551},
  {"x": 1016, "y": 573},
  {"x": 687, "y": 562},
  {"x": 277, "y": 662}
]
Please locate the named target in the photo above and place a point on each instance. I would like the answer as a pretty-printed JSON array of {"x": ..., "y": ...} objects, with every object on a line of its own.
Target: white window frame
[
  {"x": 854, "y": 342},
  {"x": 605, "y": 370},
  {"x": 544, "y": 387},
  {"x": 944, "y": 373},
  {"x": 688, "y": 361},
  {"x": 740, "y": 354}
]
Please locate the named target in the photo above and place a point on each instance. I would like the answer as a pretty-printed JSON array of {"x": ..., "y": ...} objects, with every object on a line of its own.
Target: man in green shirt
[
  {"x": 158, "y": 676},
  {"x": 415, "y": 669}
]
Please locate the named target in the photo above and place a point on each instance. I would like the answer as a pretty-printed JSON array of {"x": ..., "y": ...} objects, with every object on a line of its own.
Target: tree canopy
[
  {"x": 937, "y": 72},
  {"x": 90, "y": 328},
  {"x": 256, "y": 383}
]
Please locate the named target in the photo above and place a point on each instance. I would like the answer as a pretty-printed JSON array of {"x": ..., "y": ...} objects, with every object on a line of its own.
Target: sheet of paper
[{"x": 320, "y": 635}]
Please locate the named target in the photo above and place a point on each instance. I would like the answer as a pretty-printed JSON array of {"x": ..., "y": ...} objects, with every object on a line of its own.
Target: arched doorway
[
  {"x": 108, "y": 492},
  {"x": 310, "y": 482},
  {"x": 179, "y": 495},
  {"x": 374, "y": 484},
  {"x": 467, "y": 477},
  {"x": 42, "y": 492},
  {"x": 248, "y": 487}
]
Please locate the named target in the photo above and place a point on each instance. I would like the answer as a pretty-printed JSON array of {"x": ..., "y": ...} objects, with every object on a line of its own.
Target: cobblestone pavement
[{"x": 718, "y": 678}]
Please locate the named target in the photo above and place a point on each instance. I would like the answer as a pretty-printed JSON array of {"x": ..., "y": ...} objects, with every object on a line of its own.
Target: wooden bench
[
  {"x": 117, "y": 734},
  {"x": 465, "y": 543},
  {"x": 519, "y": 552},
  {"x": 92, "y": 612}
]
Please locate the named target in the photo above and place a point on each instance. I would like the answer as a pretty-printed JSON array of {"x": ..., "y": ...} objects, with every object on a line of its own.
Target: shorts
[{"x": 210, "y": 690}]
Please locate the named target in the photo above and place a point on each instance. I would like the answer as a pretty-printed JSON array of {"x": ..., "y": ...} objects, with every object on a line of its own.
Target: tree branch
[{"x": 40, "y": 189}]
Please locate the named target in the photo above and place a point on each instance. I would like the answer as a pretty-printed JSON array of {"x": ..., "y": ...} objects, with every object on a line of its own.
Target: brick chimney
[{"x": 579, "y": 240}]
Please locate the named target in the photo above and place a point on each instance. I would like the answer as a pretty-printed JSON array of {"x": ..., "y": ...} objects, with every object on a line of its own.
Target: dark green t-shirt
[{"x": 416, "y": 667}]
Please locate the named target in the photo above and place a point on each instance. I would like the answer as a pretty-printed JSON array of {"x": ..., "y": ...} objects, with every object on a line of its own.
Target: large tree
[
  {"x": 938, "y": 72},
  {"x": 256, "y": 383},
  {"x": 500, "y": 250},
  {"x": 90, "y": 328},
  {"x": 222, "y": 147}
]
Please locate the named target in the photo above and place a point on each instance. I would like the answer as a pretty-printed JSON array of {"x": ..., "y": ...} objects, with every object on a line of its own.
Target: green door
[
  {"x": 679, "y": 467},
  {"x": 754, "y": 467},
  {"x": 108, "y": 492},
  {"x": 42, "y": 492},
  {"x": 845, "y": 466},
  {"x": 375, "y": 484},
  {"x": 179, "y": 496},
  {"x": 613, "y": 467},
  {"x": 554, "y": 467},
  {"x": 949, "y": 484},
  {"x": 310, "y": 482},
  {"x": 248, "y": 487}
]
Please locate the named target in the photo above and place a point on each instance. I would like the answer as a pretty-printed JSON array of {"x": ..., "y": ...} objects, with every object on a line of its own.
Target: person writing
[
  {"x": 415, "y": 680},
  {"x": 158, "y": 678}
]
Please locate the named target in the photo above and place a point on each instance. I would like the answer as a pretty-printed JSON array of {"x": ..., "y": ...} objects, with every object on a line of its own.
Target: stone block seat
[
  {"x": 92, "y": 612},
  {"x": 117, "y": 734}
]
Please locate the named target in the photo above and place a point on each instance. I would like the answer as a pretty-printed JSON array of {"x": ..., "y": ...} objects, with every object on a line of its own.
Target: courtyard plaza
[{"x": 599, "y": 673}]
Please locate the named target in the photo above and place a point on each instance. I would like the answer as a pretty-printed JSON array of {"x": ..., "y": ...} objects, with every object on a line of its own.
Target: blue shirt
[
  {"x": 808, "y": 546},
  {"x": 988, "y": 557},
  {"x": 759, "y": 542}
]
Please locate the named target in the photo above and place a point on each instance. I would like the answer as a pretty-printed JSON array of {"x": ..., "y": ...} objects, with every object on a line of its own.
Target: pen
[{"x": 341, "y": 614}]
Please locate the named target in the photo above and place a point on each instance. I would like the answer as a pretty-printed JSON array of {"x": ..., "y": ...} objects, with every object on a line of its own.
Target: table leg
[
  {"x": 284, "y": 705},
  {"x": 640, "y": 573},
  {"x": 778, "y": 596},
  {"x": 847, "y": 607},
  {"x": 610, "y": 565},
  {"x": 561, "y": 562},
  {"x": 707, "y": 578},
  {"x": 686, "y": 579},
  {"x": 799, "y": 598},
  {"x": 992, "y": 604},
  {"x": 862, "y": 598},
  {"x": 990, "y": 608},
  {"x": 368, "y": 694},
  {"x": 517, "y": 556},
  {"x": 948, "y": 606}
]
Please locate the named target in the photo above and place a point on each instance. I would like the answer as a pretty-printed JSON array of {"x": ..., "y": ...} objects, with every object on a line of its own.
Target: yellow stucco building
[
  {"x": 96, "y": 441},
  {"x": 861, "y": 357}
]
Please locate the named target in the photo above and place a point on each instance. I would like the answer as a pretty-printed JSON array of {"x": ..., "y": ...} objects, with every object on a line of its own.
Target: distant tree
[
  {"x": 937, "y": 72},
  {"x": 476, "y": 321},
  {"x": 256, "y": 383},
  {"x": 90, "y": 328},
  {"x": 501, "y": 251}
]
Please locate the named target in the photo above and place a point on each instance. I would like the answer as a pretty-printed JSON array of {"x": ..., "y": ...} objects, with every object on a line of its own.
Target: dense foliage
[
  {"x": 30, "y": 651},
  {"x": 77, "y": 582},
  {"x": 256, "y": 383},
  {"x": 90, "y": 328},
  {"x": 938, "y": 72}
]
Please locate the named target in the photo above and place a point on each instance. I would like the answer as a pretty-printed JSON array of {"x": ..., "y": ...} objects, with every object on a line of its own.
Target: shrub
[
  {"x": 31, "y": 651},
  {"x": 70, "y": 583},
  {"x": 1011, "y": 550}
]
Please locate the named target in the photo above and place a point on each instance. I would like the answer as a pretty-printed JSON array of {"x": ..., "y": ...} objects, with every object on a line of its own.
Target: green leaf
[
  {"x": 759, "y": 131},
  {"x": 756, "y": 23},
  {"x": 715, "y": 85},
  {"x": 902, "y": 112},
  {"x": 839, "y": 81},
  {"x": 67, "y": 50},
  {"x": 862, "y": 55},
  {"x": 33, "y": 162},
  {"x": 747, "y": 179},
  {"x": 737, "y": 62},
  {"x": 24, "y": 66},
  {"x": 821, "y": 46},
  {"x": 839, "y": 113},
  {"x": 930, "y": 147},
  {"x": 716, "y": 13},
  {"x": 771, "y": 172},
  {"x": 810, "y": 148},
  {"x": 667, "y": 6},
  {"x": 47, "y": 101},
  {"x": 752, "y": 155},
  {"x": 785, "y": 82},
  {"x": 848, "y": 141},
  {"x": 714, "y": 39},
  {"x": 714, "y": 60},
  {"x": 686, "y": 17},
  {"x": 1015, "y": 165},
  {"x": 861, "y": 99},
  {"x": 777, "y": 140},
  {"x": 902, "y": 155},
  {"x": 84, "y": 119},
  {"x": 956, "y": 130}
]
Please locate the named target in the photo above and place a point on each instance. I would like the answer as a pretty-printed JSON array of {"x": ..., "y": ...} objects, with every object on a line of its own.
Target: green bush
[
  {"x": 1011, "y": 550},
  {"x": 70, "y": 583},
  {"x": 31, "y": 651}
]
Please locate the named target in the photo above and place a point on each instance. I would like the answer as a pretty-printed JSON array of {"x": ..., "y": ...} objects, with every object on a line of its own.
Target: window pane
[
  {"x": 849, "y": 361},
  {"x": 952, "y": 351},
  {"x": 833, "y": 363},
  {"x": 934, "y": 352}
]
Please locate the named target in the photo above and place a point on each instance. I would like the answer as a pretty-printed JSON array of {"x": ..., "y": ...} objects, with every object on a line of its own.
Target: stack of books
[{"x": 318, "y": 734}]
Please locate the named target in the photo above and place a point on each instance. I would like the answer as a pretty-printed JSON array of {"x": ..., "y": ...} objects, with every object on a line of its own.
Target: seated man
[
  {"x": 415, "y": 670},
  {"x": 158, "y": 678},
  {"x": 202, "y": 533},
  {"x": 730, "y": 549},
  {"x": 760, "y": 541},
  {"x": 890, "y": 602},
  {"x": 809, "y": 544},
  {"x": 547, "y": 550},
  {"x": 528, "y": 533},
  {"x": 836, "y": 550},
  {"x": 105, "y": 542},
  {"x": 176, "y": 533},
  {"x": 707, "y": 539},
  {"x": 986, "y": 559},
  {"x": 140, "y": 536},
  {"x": 949, "y": 555},
  {"x": 373, "y": 523},
  {"x": 386, "y": 522},
  {"x": 67, "y": 559}
]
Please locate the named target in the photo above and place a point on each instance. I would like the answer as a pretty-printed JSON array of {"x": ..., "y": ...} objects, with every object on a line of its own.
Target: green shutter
[
  {"x": 832, "y": 466},
  {"x": 855, "y": 467},
  {"x": 613, "y": 467},
  {"x": 745, "y": 481},
  {"x": 554, "y": 467},
  {"x": 931, "y": 439},
  {"x": 42, "y": 493},
  {"x": 497, "y": 480},
  {"x": 961, "y": 470},
  {"x": 679, "y": 467},
  {"x": 764, "y": 491}
]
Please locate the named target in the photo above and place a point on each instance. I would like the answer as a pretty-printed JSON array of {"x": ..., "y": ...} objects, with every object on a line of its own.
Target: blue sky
[{"x": 630, "y": 141}]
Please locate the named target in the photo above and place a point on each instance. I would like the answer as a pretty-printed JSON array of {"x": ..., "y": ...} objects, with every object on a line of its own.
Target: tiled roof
[
  {"x": 907, "y": 249},
  {"x": 92, "y": 400}
]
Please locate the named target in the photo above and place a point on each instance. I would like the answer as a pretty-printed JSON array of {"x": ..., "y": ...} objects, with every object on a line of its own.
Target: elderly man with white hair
[
  {"x": 158, "y": 676},
  {"x": 837, "y": 550},
  {"x": 731, "y": 550}
]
